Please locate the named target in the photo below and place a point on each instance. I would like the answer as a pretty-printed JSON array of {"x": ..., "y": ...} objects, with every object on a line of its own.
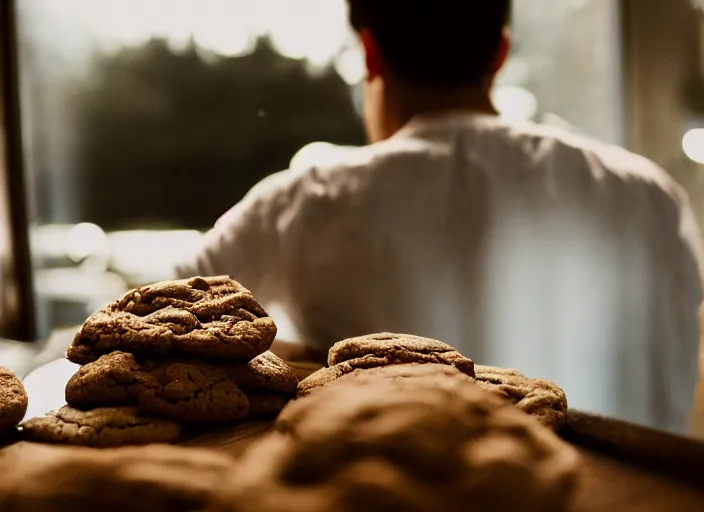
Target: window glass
[{"x": 145, "y": 120}]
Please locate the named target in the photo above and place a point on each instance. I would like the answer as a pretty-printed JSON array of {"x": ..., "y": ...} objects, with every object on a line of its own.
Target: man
[{"x": 521, "y": 245}]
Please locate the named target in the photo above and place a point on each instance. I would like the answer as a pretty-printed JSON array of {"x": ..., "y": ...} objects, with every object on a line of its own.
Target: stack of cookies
[
  {"x": 385, "y": 355},
  {"x": 179, "y": 352}
]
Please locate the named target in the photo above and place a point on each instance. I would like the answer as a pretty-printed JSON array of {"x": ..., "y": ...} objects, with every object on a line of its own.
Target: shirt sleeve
[{"x": 245, "y": 241}]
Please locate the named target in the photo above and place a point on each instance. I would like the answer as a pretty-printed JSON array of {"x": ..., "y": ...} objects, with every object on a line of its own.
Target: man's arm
[
  {"x": 696, "y": 423},
  {"x": 692, "y": 270},
  {"x": 245, "y": 241}
]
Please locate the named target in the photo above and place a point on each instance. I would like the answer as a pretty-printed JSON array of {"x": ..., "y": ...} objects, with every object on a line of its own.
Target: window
[{"x": 145, "y": 120}]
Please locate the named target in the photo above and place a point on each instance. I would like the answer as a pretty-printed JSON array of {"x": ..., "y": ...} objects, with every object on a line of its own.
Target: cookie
[
  {"x": 417, "y": 444},
  {"x": 266, "y": 373},
  {"x": 209, "y": 318},
  {"x": 387, "y": 349},
  {"x": 13, "y": 400},
  {"x": 405, "y": 377},
  {"x": 187, "y": 391},
  {"x": 345, "y": 372},
  {"x": 323, "y": 377},
  {"x": 103, "y": 427},
  {"x": 155, "y": 478},
  {"x": 539, "y": 398},
  {"x": 266, "y": 405}
]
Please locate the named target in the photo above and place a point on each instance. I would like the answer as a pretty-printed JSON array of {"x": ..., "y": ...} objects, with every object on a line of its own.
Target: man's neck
[{"x": 405, "y": 103}]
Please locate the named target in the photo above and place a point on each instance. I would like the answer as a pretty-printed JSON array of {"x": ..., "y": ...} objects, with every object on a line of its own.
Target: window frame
[{"x": 17, "y": 304}]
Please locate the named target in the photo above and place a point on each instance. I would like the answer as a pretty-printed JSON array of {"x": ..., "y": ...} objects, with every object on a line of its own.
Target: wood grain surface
[{"x": 624, "y": 468}]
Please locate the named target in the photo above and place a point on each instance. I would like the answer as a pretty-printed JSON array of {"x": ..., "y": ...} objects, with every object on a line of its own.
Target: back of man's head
[{"x": 437, "y": 43}]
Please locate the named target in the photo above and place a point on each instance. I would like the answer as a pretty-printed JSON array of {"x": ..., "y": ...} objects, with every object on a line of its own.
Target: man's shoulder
[
  {"x": 607, "y": 161},
  {"x": 331, "y": 159},
  {"x": 325, "y": 162},
  {"x": 323, "y": 169},
  {"x": 632, "y": 177}
]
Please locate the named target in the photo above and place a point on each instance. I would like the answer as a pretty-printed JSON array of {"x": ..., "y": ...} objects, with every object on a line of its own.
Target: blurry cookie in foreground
[
  {"x": 153, "y": 478},
  {"x": 387, "y": 349},
  {"x": 541, "y": 399},
  {"x": 210, "y": 318},
  {"x": 101, "y": 428},
  {"x": 433, "y": 443},
  {"x": 13, "y": 400}
]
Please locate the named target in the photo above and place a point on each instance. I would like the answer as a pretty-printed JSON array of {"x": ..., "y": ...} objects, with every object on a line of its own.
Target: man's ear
[
  {"x": 372, "y": 56},
  {"x": 502, "y": 53}
]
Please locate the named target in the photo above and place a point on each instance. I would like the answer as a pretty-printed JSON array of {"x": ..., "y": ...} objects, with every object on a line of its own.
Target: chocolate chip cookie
[
  {"x": 155, "y": 478},
  {"x": 13, "y": 400},
  {"x": 539, "y": 398},
  {"x": 210, "y": 318},
  {"x": 187, "y": 391},
  {"x": 430, "y": 443},
  {"x": 103, "y": 427},
  {"x": 387, "y": 349}
]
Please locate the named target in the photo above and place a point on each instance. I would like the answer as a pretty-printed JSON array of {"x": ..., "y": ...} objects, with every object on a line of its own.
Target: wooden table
[{"x": 624, "y": 467}]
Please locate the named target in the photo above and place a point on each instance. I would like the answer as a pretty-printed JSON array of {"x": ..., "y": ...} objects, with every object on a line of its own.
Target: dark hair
[{"x": 444, "y": 43}]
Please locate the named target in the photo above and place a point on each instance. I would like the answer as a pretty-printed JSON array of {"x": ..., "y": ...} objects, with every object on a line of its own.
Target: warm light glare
[
  {"x": 314, "y": 30},
  {"x": 85, "y": 240},
  {"x": 693, "y": 145},
  {"x": 515, "y": 103},
  {"x": 151, "y": 253},
  {"x": 350, "y": 66},
  {"x": 224, "y": 27}
]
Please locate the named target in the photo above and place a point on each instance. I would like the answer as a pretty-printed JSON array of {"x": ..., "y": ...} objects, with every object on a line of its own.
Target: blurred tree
[{"x": 175, "y": 139}]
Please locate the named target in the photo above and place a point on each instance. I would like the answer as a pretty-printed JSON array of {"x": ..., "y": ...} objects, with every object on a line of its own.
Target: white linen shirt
[{"x": 521, "y": 245}]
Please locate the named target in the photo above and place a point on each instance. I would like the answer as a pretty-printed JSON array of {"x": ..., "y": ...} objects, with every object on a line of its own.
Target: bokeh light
[{"x": 693, "y": 145}]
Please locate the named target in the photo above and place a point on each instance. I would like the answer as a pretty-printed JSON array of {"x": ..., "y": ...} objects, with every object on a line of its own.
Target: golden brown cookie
[
  {"x": 539, "y": 398},
  {"x": 388, "y": 349},
  {"x": 153, "y": 478},
  {"x": 104, "y": 427},
  {"x": 343, "y": 372},
  {"x": 13, "y": 400},
  {"x": 187, "y": 391},
  {"x": 266, "y": 373},
  {"x": 323, "y": 377},
  {"x": 266, "y": 405},
  {"x": 415, "y": 444},
  {"x": 212, "y": 318}
]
